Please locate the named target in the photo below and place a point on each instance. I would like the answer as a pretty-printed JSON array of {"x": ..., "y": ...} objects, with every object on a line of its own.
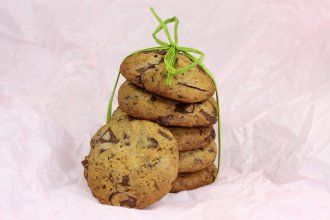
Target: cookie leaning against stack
[
  {"x": 186, "y": 106},
  {"x": 132, "y": 163}
]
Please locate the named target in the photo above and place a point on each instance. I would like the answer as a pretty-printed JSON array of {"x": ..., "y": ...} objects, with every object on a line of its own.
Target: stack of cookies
[
  {"x": 186, "y": 107},
  {"x": 159, "y": 140}
]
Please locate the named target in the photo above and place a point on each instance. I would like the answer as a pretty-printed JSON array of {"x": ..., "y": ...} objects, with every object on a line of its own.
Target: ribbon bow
[{"x": 173, "y": 49}]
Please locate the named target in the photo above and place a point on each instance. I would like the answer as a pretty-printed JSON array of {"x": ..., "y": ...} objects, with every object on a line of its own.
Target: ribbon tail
[
  {"x": 219, "y": 130},
  {"x": 208, "y": 72},
  {"x": 109, "y": 112}
]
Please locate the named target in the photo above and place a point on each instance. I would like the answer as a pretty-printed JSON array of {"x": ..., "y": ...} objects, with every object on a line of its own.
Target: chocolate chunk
[
  {"x": 142, "y": 70},
  {"x": 210, "y": 137},
  {"x": 200, "y": 131},
  {"x": 210, "y": 150},
  {"x": 130, "y": 202},
  {"x": 104, "y": 186},
  {"x": 153, "y": 143},
  {"x": 153, "y": 98},
  {"x": 137, "y": 80},
  {"x": 184, "y": 108},
  {"x": 160, "y": 52},
  {"x": 109, "y": 136},
  {"x": 111, "y": 178},
  {"x": 125, "y": 181},
  {"x": 162, "y": 133},
  {"x": 85, "y": 163},
  {"x": 102, "y": 150},
  {"x": 210, "y": 118},
  {"x": 191, "y": 86},
  {"x": 126, "y": 138},
  {"x": 165, "y": 120},
  {"x": 93, "y": 142}
]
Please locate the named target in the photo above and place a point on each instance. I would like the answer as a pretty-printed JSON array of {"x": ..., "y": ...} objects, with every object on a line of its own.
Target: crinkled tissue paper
[{"x": 271, "y": 60}]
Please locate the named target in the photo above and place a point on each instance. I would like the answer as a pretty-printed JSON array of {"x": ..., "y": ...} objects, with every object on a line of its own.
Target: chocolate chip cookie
[
  {"x": 132, "y": 163},
  {"x": 192, "y": 138},
  {"x": 147, "y": 70},
  {"x": 198, "y": 159},
  {"x": 189, "y": 181},
  {"x": 139, "y": 103}
]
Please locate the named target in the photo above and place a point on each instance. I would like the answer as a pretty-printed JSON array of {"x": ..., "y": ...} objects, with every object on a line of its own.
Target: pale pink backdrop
[{"x": 271, "y": 58}]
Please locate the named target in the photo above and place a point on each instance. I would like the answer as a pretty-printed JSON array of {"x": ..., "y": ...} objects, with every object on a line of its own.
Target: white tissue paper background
[{"x": 271, "y": 59}]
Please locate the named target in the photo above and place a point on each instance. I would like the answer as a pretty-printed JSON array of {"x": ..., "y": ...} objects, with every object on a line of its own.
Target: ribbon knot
[{"x": 173, "y": 49}]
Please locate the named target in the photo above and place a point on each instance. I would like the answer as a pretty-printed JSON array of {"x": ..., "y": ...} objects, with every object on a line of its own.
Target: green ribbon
[{"x": 173, "y": 49}]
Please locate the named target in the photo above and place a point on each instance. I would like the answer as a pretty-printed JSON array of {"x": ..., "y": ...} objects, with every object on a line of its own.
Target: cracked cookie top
[{"x": 147, "y": 70}]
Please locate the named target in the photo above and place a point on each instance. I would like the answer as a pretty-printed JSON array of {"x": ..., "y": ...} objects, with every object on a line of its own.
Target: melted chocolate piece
[
  {"x": 85, "y": 163},
  {"x": 125, "y": 181},
  {"x": 137, "y": 81},
  {"x": 142, "y": 70},
  {"x": 153, "y": 143},
  {"x": 163, "y": 134},
  {"x": 210, "y": 150},
  {"x": 130, "y": 202},
  {"x": 210, "y": 137},
  {"x": 164, "y": 120},
  {"x": 112, "y": 138},
  {"x": 184, "y": 108},
  {"x": 210, "y": 118},
  {"x": 153, "y": 98}
]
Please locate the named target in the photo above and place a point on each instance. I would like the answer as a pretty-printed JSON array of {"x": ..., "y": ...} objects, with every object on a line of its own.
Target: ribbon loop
[{"x": 173, "y": 49}]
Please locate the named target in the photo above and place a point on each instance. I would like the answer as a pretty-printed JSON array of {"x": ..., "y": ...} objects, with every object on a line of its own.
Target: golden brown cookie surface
[
  {"x": 147, "y": 70},
  {"x": 192, "y": 138},
  {"x": 189, "y": 181},
  {"x": 132, "y": 162},
  {"x": 139, "y": 103},
  {"x": 198, "y": 159}
]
